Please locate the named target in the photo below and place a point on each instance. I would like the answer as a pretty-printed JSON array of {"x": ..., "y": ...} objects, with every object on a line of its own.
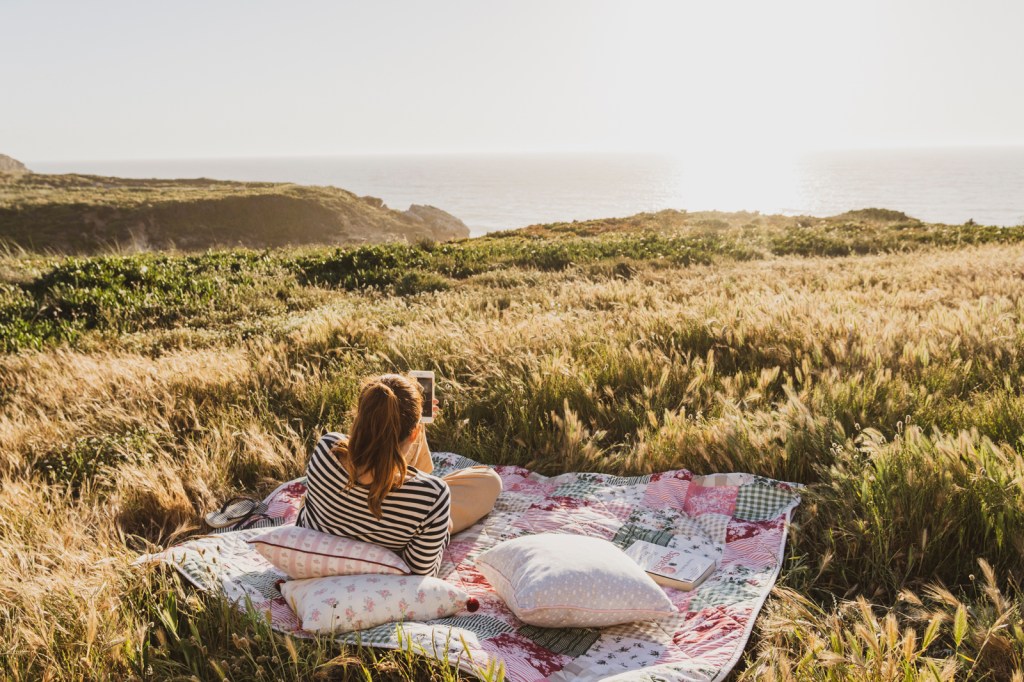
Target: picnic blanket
[{"x": 739, "y": 519}]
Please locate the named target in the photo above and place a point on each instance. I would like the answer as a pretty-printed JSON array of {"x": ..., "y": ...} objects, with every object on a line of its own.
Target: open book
[{"x": 671, "y": 567}]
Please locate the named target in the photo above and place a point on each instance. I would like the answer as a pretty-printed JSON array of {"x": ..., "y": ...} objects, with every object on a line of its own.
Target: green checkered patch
[
  {"x": 264, "y": 582},
  {"x": 629, "y": 534},
  {"x": 385, "y": 635},
  {"x": 452, "y": 463},
  {"x": 763, "y": 500},
  {"x": 566, "y": 641},
  {"x": 199, "y": 572},
  {"x": 723, "y": 590},
  {"x": 484, "y": 627},
  {"x": 624, "y": 481},
  {"x": 581, "y": 487},
  {"x": 514, "y": 502}
]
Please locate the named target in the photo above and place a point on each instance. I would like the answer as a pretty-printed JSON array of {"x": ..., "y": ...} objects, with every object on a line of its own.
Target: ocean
[{"x": 497, "y": 192}]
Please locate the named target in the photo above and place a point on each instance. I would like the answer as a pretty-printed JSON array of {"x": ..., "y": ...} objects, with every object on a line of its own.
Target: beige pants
[{"x": 474, "y": 490}]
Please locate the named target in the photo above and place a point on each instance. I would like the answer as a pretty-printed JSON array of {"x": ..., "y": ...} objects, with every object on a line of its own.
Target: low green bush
[{"x": 78, "y": 461}]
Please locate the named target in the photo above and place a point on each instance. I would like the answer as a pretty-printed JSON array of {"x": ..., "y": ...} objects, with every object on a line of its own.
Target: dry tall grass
[{"x": 890, "y": 384}]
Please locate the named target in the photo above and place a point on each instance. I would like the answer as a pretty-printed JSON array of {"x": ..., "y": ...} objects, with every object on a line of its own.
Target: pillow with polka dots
[
  {"x": 306, "y": 553},
  {"x": 554, "y": 580}
]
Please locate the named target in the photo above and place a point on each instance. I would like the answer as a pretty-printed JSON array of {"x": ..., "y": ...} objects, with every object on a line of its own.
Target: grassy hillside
[
  {"x": 88, "y": 214},
  {"x": 46, "y": 299},
  {"x": 872, "y": 357}
]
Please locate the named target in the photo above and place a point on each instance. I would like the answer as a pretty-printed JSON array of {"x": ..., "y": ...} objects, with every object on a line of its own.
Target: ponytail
[{"x": 387, "y": 411}]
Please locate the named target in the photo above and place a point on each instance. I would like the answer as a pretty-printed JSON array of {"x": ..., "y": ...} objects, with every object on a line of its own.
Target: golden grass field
[{"x": 889, "y": 383}]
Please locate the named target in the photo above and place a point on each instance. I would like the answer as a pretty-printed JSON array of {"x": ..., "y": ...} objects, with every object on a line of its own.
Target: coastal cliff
[
  {"x": 10, "y": 165},
  {"x": 80, "y": 214}
]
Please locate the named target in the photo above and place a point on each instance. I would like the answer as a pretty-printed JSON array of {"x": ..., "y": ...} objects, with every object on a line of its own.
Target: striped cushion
[{"x": 305, "y": 553}]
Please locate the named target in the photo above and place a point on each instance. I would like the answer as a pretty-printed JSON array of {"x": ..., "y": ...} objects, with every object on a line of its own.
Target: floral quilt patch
[{"x": 739, "y": 519}]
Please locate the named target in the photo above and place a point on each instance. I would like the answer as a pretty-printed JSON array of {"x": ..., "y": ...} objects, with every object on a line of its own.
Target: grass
[{"x": 871, "y": 357}]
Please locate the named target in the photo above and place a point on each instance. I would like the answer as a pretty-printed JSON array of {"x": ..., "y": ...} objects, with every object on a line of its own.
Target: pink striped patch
[{"x": 304, "y": 553}]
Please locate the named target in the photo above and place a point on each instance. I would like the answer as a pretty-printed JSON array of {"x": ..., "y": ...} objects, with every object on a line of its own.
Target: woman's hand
[{"x": 435, "y": 408}]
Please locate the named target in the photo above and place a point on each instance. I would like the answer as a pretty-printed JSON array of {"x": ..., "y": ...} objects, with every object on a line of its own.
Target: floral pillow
[
  {"x": 305, "y": 553},
  {"x": 554, "y": 580},
  {"x": 355, "y": 602}
]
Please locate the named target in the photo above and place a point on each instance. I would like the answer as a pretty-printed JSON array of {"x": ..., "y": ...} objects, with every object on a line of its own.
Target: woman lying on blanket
[{"x": 375, "y": 485}]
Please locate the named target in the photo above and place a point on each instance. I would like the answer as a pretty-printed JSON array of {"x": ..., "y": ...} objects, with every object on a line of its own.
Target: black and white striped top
[{"x": 415, "y": 517}]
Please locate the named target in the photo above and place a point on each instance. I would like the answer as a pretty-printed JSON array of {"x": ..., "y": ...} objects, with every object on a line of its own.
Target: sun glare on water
[{"x": 756, "y": 180}]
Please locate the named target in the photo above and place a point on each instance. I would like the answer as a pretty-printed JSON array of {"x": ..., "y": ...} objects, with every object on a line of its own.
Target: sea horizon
[{"x": 493, "y": 192}]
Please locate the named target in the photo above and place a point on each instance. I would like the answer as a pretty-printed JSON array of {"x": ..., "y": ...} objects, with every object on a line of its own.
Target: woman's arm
[
  {"x": 423, "y": 553},
  {"x": 419, "y": 453}
]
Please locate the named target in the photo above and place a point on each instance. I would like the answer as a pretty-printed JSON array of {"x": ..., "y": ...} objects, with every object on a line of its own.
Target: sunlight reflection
[{"x": 733, "y": 182}]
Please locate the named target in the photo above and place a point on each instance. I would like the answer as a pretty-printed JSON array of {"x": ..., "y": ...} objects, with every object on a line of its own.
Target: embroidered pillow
[
  {"x": 304, "y": 553},
  {"x": 554, "y": 580},
  {"x": 356, "y": 602}
]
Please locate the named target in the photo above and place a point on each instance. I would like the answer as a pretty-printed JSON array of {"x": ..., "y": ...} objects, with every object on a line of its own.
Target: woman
[{"x": 375, "y": 484}]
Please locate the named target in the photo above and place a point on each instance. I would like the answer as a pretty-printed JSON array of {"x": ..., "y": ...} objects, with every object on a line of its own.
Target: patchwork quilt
[{"x": 740, "y": 520}]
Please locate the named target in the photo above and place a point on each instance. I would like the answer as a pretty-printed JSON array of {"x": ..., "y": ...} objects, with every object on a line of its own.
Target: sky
[{"x": 135, "y": 80}]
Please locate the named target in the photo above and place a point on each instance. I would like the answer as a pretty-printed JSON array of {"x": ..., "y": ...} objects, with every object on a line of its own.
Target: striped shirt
[{"x": 414, "y": 521}]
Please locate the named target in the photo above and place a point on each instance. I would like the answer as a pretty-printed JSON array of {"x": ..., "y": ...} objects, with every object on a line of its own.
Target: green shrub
[
  {"x": 417, "y": 281},
  {"x": 79, "y": 461},
  {"x": 367, "y": 267}
]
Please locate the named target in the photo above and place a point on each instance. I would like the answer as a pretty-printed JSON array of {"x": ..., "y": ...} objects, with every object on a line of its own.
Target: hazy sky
[{"x": 118, "y": 80}]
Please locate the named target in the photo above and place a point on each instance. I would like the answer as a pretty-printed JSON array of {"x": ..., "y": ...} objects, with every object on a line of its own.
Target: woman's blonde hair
[{"x": 387, "y": 411}]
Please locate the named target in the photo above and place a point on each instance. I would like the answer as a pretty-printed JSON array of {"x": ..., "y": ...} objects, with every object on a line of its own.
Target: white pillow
[
  {"x": 355, "y": 602},
  {"x": 553, "y": 580},
  {"x": 305, "y": 553}
]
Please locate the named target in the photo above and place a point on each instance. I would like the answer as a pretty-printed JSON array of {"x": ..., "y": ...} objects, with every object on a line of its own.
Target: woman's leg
[{"x": 474, "y": 492}]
